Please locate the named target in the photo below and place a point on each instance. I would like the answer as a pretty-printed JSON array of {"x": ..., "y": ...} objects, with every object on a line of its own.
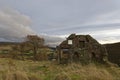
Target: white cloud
[
  {"x": 52, "y": 40},
  {"x": 13, "y": 24},
  {"x": 107, "y": 36}
]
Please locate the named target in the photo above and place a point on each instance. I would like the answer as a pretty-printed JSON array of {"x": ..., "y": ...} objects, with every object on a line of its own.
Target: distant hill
[
  {"x": 8, "y": 43},
  {"x": 113, "y": 52}
]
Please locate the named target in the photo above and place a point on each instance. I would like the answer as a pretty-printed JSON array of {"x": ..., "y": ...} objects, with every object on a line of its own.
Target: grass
[{"x": 11, "y": 69}]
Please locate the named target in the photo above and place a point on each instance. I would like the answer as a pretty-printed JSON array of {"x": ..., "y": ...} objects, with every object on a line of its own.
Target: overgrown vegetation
[
  {"x": 11, "y": 69},
  {"x": 31, "y": 48}
]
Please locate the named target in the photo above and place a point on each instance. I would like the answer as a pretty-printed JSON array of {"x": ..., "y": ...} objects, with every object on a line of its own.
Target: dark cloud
[{"x": 54, "y": 14}]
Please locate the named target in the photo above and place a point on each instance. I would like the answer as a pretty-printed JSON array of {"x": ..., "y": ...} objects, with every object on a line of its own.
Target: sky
[{"x": 56, "y": 19}]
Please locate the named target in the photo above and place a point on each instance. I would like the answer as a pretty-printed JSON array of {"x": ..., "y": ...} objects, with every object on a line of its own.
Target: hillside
[
  {"x": 44, "y": 70},
  {"x": 113, "y": 52},
  {"x": 8, "y": 43}
]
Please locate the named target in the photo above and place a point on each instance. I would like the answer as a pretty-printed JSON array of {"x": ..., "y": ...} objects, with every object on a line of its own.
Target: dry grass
[
  {"x": 15, "y": 76},
  {"x": 29, "y": 70}
]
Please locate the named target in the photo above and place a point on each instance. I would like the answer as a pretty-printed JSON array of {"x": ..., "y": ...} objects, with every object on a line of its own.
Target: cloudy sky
[{"x": 59, "y": 18}]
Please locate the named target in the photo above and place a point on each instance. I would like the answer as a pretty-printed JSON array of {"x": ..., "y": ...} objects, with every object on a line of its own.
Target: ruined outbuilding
[{"x": 81, "y": 48}]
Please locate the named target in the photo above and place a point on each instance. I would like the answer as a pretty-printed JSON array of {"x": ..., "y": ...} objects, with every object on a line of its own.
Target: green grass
[{"x": 45, "y": 70}]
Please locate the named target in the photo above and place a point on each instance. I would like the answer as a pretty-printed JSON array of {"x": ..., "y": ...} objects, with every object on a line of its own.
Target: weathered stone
[{"x": 81, "y": 48}]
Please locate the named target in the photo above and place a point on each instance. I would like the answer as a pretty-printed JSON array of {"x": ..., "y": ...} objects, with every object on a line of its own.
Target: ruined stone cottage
[{"x": 81, "y": 48}]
